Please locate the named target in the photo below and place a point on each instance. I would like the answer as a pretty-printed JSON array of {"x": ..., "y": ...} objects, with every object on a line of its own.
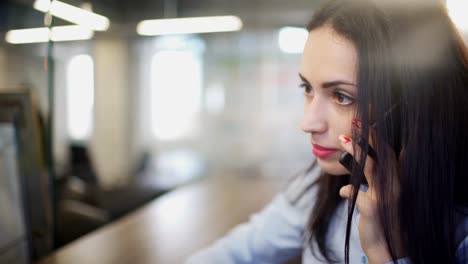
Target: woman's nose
[{"x": 315, "y": 117}]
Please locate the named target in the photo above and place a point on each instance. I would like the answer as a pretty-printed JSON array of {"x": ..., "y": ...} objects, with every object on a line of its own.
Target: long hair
[{"x": 412, "y": 101}]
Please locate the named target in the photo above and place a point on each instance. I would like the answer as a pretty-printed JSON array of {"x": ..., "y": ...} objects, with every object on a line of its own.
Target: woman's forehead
[{"x": 327, "y": 55}]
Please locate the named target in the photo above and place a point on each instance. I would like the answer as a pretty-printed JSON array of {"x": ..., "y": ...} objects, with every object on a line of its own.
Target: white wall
[{"x": 110, "y": 143}]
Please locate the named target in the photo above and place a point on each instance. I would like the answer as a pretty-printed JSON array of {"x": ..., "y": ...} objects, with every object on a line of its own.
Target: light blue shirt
[{"x": 276, "y": 234}]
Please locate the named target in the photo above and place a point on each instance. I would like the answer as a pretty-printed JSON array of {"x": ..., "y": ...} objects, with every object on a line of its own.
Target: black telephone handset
[{"x": 348, "y": 161}]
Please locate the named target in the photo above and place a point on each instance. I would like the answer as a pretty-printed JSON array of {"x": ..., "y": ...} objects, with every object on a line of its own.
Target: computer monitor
[
  {"x": 13, "y": 238},
  {"x": 24, "y": 186}
]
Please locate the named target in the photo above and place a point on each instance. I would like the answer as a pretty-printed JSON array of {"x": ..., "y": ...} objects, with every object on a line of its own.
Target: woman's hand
[{"x": 370, "y": 233}]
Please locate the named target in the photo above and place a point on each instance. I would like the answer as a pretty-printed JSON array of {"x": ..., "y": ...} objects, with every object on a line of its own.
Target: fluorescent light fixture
[
  {"x": 37, "y": 35},
  {"x": 292, "y": 39},
  {"x": 73, "y": 14},
  {"x": 457, "y": 12},
  {"x": 189, "y": 25}
]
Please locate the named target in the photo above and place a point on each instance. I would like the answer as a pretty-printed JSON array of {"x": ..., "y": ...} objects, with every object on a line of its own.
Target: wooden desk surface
[{"x": 172, "y": 227}]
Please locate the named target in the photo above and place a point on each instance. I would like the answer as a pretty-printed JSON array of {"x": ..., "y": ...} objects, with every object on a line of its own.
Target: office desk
[{"x": 173, "y": 226}]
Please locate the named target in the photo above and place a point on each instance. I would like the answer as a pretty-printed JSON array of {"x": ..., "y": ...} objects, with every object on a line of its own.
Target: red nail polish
[
  {"x": 345, "y": 139},
  {"x": 356, "y": 123}
]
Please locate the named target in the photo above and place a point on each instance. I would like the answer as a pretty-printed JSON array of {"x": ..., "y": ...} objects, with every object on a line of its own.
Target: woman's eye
[
  {"x": 308, "y": 91},
  {"x": 342, "y": 99}
]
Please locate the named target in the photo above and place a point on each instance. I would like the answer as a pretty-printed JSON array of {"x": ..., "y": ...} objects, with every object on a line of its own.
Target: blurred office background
[
  {"x": 156, "y": 112},
  {"x": 202, "y": 102}
]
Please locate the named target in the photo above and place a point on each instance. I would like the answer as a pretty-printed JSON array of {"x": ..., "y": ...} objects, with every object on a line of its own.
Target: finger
[
  {"x": 345, "y": 191},
  {"x": 365, "y": 201},
  {"x": 347, "y": 145}
]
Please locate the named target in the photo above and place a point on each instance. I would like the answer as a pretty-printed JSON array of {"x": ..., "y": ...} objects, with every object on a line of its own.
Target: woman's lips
[{"x": 322, "y": 152}]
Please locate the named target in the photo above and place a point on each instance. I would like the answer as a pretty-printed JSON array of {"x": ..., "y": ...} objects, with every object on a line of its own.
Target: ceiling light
[
  {"x": 189, "y": 25},
  {"x": 37, "y": 35},
  {"x": 73, "y": 14}
]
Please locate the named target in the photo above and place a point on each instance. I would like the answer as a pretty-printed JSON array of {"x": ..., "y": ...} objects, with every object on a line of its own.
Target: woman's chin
[{"x": 332, "y": 166}]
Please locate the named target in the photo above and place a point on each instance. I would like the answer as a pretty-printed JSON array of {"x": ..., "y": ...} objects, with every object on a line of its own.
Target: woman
[{"x": 391, "y": 78}]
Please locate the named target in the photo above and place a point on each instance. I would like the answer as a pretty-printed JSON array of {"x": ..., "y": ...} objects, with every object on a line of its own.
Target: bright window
[
  {"x": 214, "y": 98},
  {"x": 175, "y": 93},
  {"x": 80, "y": 97}
]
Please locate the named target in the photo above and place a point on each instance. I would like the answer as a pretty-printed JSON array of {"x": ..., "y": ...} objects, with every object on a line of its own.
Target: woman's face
[{"x": 328, "y": 74}]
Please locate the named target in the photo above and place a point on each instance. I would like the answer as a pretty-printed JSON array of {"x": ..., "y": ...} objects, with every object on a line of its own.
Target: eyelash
[{"x": 336, "y": 94}]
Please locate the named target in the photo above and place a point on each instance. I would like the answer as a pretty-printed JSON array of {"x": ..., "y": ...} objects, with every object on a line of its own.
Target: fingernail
[{"x": 344, "y": 139}]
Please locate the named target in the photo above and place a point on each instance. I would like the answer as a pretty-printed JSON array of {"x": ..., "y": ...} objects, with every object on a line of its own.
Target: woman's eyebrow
[
  {"x": 328, "y": 84},
  {"x": 335, "y": 83},
  {"x": 304, "y": 79}
]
